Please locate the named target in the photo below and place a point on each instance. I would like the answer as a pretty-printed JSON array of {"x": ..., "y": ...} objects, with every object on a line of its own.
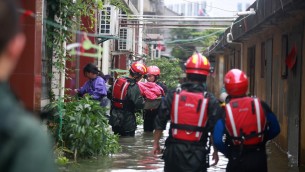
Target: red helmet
[
  {"x": 138, "y": 68},
  {"x": 236, "y": 82},
  {"x": 197, "y": 64},
  {"x": 153, "y": 70}
]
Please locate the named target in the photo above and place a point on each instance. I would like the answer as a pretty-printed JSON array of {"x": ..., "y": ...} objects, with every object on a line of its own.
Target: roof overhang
[{"x": 267, "y": 16}]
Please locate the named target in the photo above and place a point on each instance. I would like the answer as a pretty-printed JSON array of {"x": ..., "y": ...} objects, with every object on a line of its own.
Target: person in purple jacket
[{"x": 95, "y": 86}]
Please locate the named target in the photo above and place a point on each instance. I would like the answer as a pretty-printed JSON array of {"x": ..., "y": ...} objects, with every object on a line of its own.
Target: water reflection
[
  {"x": 221, "y": 165},
  {"x": 136, "y": 155}
]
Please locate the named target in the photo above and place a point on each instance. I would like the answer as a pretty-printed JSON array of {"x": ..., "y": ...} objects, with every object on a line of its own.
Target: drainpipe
[
  {"x": 230, "y": 41},
  {"x": 105, "y": 61},
  {"x": 77, "y": 64},
  {"x": 62, "y": 73},
  {"x": 140, "y": 51}
]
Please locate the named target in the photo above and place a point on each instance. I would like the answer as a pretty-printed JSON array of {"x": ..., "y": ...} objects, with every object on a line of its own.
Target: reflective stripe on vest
[
  {"x": 123, "y": 90},
  {"x": 176, "y": 111},
  {"x": 231, "y": 119},
  {"x": 258, "y": 115},
  {"x": 203, "y": 105}
]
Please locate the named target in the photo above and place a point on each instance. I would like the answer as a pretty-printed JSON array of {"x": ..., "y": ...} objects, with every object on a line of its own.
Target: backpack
[
  {"x": 119, "y": 92},
  {"x": 189, "y": 115},
  {"x": 245, "y": 121}
]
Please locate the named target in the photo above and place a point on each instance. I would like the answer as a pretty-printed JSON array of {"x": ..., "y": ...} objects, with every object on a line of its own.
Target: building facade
[
  {"x": 268, "y": 46},
  {"x": 212, "y": 8},
  {"x": 31, "y": 80}
]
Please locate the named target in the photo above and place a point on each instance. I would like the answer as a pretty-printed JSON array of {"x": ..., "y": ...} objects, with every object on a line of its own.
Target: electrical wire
[
  {"x": 175, "y": 42},
  {"x": 56, "y": 25},
  {"x": 209, "y": 6}
]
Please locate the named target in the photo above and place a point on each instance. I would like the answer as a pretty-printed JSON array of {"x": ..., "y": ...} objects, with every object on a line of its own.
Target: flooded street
[{"x": 136, "y": 156}]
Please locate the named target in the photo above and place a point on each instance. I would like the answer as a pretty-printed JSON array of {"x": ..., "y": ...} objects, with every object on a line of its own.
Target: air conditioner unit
[{"x": 108, "y": 21}]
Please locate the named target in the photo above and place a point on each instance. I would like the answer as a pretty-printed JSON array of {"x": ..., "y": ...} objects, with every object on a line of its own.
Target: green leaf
[
  {"x": 88, "y": 121},
  {"x": 83, "y": 130}
]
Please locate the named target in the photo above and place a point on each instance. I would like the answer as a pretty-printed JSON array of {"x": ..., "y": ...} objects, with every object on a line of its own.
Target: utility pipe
[
  {"x": 179, "y": 19},
  {"x": 140, "y": 43},
  {"x": 230, "y": 41},
  {"x": 141, "y": 25},
  {"x": 165, "y": 16},
  {"x": 189, "y": 27},
  {"x": 105, "y": 59},
  {"x": 62, "y": 73}
]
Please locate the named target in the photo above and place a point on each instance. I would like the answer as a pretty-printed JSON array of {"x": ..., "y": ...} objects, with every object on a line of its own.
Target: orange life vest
[
  {"x": 188, "y": 115},
  {"x": 119, "y": 92},
  {"x": 245, "y": 121}
]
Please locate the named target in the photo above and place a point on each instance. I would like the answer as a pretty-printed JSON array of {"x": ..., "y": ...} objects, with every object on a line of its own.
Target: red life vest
[
  {"x": 245, "y": 121},
  {"x": 188, "y": 115},
  {"x": 119, "y": 92}
]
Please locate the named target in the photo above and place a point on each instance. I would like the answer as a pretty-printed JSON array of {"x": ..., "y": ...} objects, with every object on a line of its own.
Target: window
[
  {"x": 239, "y": 7},
  {"x": 123, "y": 39},
  {"x": 105, "y": 21},
  {"x": 108, "y": 23}
]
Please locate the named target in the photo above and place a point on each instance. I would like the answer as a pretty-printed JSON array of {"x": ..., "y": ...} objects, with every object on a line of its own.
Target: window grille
[{"x": 108, "y": 24}]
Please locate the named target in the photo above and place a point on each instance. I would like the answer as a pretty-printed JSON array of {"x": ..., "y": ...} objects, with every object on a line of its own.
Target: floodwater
[{"x": 136, "y": 155}]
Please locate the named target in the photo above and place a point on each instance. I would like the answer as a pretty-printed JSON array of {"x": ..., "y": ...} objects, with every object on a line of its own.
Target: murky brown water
[
  {"x": 136, "y": 156},
  {"x": 278, "y": 160}
]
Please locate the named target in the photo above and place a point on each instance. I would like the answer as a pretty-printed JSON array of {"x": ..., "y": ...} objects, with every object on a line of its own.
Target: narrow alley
[
  {"x": 136, "y": 155},
  {"x": 93, "y": 72}
]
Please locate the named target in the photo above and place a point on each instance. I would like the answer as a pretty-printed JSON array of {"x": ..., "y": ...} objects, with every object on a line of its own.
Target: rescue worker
[
  {"x": 149, "y": 115},
  {"x": 125, "y": 98},
  {"x": 24, "y": 144},
  {"x": 192, "y": 112},
  {"x": 247, "y": 124}
]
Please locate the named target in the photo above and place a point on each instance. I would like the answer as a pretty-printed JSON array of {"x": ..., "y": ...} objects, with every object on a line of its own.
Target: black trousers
[
  {"x": 179, "y": 157},
  {"x": 149, "y": 118},
  {"x": 118, "y": 130},
  {"x": 247, "y": 160}
]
